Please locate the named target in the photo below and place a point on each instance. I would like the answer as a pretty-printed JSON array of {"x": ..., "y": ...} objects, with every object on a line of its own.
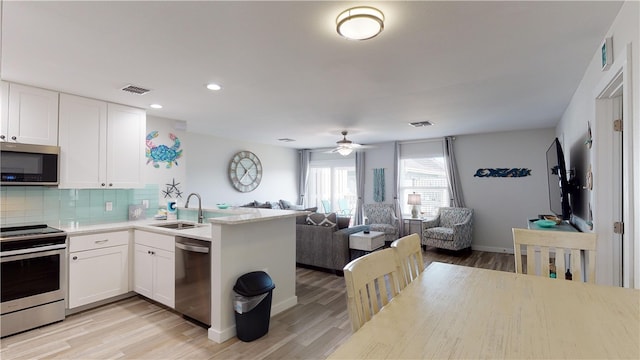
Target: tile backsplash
[{"x": 61, "y": 207}]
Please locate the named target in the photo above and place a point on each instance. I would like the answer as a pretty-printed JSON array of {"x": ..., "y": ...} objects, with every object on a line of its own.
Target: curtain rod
[{"x": 424, "y": 140}]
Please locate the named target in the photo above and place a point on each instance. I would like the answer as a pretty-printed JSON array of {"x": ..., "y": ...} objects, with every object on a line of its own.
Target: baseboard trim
[
  {"x": 492, "y": 249},
  {"x": 284, "y": 305}
]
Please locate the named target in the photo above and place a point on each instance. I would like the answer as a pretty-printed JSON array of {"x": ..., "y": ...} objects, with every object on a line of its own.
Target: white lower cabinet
[
  {"x": 98, "y": 267},
  {"x": 154, "y": 267}
]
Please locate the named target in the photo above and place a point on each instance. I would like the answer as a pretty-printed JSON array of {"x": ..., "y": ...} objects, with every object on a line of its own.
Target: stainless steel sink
[{"x": 177, "y": 225}]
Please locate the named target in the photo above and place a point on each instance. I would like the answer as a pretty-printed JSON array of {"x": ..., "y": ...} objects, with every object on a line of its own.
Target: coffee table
[{"x": 372, "y": 241}]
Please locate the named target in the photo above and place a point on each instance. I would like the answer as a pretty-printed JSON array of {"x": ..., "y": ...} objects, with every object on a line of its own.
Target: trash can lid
[{"x": 254, "y": 283}]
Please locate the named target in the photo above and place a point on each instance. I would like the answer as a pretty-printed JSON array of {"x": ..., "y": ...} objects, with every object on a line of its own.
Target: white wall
[
  {"x": 503, "y": 203},
  {"x": 208, "y": 172},
  {"x": 379, "y": 156},
  {"x": 582, "y": 109},
  {"x": 164, "y": 174}
]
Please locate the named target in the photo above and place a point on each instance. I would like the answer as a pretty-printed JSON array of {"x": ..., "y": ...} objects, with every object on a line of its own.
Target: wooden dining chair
[
  {"x": 409, "y": 256},
  {"x": 372, "y": 281},
  {"x": 540, "y": 244}
]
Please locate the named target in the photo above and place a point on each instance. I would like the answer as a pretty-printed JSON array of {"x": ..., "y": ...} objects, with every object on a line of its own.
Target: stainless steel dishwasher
[{"x": 193, "y": 279}]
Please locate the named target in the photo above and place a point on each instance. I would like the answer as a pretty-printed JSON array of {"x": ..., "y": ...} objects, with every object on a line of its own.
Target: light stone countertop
[{"x": 233, "y": 216}]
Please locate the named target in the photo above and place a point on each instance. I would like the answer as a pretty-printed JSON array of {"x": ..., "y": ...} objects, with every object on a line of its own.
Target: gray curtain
[
  {"x": 359, "y": 216},
  {"x": 303, "y": 162},
  {"x": 453, "y": 178},
  {"x": 396, "y": 185}
]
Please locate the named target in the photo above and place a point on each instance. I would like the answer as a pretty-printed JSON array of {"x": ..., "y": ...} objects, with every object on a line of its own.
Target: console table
[{"x": 563, "y": 226}]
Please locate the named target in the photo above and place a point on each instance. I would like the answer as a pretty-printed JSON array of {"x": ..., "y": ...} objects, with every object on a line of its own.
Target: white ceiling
[{"x": 468, "y": 67}]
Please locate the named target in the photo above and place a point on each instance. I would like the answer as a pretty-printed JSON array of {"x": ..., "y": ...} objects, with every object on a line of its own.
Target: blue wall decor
[
  {"x": 162, "y": 153},
  {"x": 503, "y": 172}
]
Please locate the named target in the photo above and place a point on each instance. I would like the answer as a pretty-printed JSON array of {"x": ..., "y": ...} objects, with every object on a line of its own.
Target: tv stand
[{"x": 563, "y": 226}]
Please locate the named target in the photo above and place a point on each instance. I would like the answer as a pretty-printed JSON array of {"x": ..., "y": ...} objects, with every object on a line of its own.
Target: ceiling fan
[{"x": 345, "y": 146}]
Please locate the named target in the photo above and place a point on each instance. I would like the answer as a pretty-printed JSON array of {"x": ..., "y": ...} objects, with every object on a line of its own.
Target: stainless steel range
[{"x": 33, "y": 277}]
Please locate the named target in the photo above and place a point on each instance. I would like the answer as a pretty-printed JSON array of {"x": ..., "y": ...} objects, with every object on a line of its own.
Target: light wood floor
[{"x": 135, "y": 328}]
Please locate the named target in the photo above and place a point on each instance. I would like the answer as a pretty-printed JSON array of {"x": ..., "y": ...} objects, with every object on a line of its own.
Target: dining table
[{"x": 458, "y": 312}]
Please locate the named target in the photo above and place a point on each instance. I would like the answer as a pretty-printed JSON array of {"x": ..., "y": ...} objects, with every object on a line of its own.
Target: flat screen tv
[{"x": 558, "y": 182}]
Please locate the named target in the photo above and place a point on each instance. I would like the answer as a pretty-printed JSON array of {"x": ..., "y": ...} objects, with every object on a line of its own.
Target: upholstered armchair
[
  {"x": 382, "y": 217},
  {"x": 452, "y": 229}
]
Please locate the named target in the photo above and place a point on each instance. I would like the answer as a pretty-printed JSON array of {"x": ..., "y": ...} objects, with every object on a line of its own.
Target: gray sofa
[{"x": 325, "y": 247}]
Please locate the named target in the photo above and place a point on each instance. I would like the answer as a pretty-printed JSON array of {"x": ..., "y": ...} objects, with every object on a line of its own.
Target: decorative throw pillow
[
  {"x": 319, "y": 219},
  {"x": 284, "y": 204}
]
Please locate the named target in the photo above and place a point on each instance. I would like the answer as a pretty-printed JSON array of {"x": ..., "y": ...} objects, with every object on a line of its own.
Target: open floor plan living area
[{"x": 319, "y": 179}]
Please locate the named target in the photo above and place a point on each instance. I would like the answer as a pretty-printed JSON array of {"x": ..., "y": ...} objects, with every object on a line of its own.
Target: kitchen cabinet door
[
  {"x": 143, "y": 271},
  {"x": 32, "y": 116},
  {"x": 4, "y": 110},
  {"x": 125, "y": 146},
  {"x": 164, "y": 277},
  {"x": 83, "y": 127},
  {"x": 99, "y": 274},
  {"x": 101, "y": 144}
]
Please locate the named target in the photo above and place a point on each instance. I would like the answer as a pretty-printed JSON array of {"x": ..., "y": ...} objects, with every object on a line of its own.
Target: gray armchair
[
  {"x": 382, "y": 217},
  {"x": 452, "y": 229}
]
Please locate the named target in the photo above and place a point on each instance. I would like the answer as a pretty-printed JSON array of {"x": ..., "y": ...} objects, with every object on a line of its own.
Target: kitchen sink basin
[{"x": 178, "y": 225}]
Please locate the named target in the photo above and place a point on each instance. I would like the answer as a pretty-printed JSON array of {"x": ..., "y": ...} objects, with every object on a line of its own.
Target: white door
[
  {"x": 4, "y": 111},
  {"x": 143, "y": 270},
  {"x": 33, "y": 115},
  {"x": 83, "y": 125},
  {"x": 164, "y": 277},
  {"x": 125, "y": 146},
  {"x": 98, "y": 274}
]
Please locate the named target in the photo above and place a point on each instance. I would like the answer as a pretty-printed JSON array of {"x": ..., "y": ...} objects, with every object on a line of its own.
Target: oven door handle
[{"x": 33, "y": 250}]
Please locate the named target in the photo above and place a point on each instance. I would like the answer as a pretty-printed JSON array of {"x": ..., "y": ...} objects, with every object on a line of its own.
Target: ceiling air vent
[
  {"x": 286, "y": 140},
  {"x": 421, "y": 123},
  {"x": 135, "y": 89}
]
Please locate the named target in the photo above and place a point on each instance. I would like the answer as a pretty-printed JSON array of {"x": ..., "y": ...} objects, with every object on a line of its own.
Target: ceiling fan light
[
  {"x": 360, "y": 23},
  {"x": 344, "y": 151}
]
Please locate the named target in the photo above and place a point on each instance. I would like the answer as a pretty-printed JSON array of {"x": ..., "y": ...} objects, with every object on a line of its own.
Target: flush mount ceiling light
[
  {"x": 214, "y": 87},
  {"x": 155, "y": 106},
  {"x": 360, "y": 23}
]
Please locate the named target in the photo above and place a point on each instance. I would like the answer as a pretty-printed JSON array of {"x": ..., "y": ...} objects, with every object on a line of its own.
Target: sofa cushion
[
  {"x": 319, "y": 219},
  {"x": 440, "y": 233}
]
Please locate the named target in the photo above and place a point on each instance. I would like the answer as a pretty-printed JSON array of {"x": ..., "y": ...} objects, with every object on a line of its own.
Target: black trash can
[{"x": 252, "y": 304}]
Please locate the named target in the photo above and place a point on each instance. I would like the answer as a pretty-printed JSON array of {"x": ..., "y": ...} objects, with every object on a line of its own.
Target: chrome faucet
[{"x": 200, "y": 215}]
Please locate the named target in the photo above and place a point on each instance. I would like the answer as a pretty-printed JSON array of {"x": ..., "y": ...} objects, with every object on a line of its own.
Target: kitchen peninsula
[
  {"x": 251, "y": 240},
  {"x": 242, "y": 240}
]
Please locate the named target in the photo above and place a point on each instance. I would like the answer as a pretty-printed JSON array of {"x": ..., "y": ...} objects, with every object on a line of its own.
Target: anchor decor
[
  {"x": 162, "y": 153},
  {"x": 502, "y": 172}
]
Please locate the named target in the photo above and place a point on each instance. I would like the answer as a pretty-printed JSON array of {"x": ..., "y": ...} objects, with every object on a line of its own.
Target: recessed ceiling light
[
  {"x": 155, "y": 106},
  {"x": 214, "y": 87}
]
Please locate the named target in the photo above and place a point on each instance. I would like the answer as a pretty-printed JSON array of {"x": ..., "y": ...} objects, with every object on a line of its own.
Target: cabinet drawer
[
  {"x": 158, "y": 241},
  {"x": 98, "y": 241}
]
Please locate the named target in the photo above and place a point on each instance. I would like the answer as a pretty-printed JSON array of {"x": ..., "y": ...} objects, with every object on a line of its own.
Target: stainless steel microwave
[{"x": 27, "y": 164}]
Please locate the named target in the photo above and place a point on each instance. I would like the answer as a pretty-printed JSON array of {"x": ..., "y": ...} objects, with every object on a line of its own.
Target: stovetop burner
[{"x": 27, "y": 230}]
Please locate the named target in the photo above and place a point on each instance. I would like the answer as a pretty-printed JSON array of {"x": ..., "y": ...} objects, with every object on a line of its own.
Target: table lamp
[{"x": 414, "y": 199}]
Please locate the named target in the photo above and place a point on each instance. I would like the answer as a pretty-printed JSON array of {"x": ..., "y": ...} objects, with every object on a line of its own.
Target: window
[
  {"x": 332, "y": 185},
  {"x": 423, "y": 171}
]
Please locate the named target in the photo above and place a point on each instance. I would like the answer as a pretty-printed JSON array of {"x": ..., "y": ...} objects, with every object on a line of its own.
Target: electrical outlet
[
  {"x": 108, "y": 206},
  {"x": 145, "y": 204}
]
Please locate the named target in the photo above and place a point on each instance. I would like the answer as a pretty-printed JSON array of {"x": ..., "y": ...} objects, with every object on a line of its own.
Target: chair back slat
[
  {"x": 409, "y": 257},
  {"x": 560, "y": 243},
  {"x": 372, "y": 281}
]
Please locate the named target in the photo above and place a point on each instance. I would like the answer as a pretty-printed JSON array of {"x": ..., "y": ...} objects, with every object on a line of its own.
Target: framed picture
[{"x": 606, "y": 53}]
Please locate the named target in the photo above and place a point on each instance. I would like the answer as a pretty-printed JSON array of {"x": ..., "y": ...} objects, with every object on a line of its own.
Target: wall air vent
[
  {"x": 421, "y": 123},
  {"x": 135, "y": 89}
]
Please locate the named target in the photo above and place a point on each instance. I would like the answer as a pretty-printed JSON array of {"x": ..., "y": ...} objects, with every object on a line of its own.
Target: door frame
[{"x": 624, "y": 267}]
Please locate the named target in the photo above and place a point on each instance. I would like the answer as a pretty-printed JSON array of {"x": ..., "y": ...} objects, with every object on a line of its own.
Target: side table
[
  {"x": 367, "y": 243},
  {"x": 412, "y": 226}
]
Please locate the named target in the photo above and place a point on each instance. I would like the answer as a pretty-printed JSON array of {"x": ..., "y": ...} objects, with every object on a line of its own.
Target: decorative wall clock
[{"x": 245, "y": 171}]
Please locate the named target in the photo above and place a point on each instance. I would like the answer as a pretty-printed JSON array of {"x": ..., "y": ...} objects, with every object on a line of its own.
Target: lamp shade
[
  {"x": 360, "y": 23},
  {"x": 414, "y": 199}
]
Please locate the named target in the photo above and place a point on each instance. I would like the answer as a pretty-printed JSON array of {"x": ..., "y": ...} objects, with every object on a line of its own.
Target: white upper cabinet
[
  {"x": 101, "y": 144},
  {"x": 31, "y": 117}
]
